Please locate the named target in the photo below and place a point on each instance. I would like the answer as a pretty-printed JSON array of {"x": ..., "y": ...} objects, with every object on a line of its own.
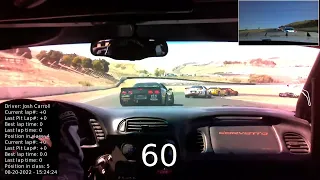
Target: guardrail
[
  {"x": 80, "y": 70},
  {"x": 31, "y": 92},
  {"x": 12, "y": 60},
  {"x": 182, "y": 79}
]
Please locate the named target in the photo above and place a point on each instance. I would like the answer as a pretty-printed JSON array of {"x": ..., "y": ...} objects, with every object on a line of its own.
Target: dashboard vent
[
  {"x": 295, "y": 143},
  {"x": 196, "y": 142},
  {"x": 145, "y": 124},
  {"x": 97, "y": 129}
]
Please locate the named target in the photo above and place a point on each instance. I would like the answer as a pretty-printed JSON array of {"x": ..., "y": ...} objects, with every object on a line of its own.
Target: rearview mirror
[
  {"x": 129, "y": 48},
  {"x": 170, "y": 89}
]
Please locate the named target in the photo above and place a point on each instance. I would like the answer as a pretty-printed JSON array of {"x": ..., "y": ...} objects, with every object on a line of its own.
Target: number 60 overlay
[{"x": 145, "y": 153}]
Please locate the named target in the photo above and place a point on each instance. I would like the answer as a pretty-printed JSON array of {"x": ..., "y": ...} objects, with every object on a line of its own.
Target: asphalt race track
[
  {"x": 112, "y": 101},
  {"x": 278, "y": 35}
]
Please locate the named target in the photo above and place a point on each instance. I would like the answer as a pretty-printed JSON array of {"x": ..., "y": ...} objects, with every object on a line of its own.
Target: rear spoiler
[
  {"x": 151, "y": 90},
  {"x": 139, "y": 88}
]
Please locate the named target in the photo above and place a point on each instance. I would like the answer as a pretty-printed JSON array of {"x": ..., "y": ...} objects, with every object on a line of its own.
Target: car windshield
[
  {"x": 261, "y": 20},
  {"x": 256, "y": 74},
  {"x": 289, "y": 29}
]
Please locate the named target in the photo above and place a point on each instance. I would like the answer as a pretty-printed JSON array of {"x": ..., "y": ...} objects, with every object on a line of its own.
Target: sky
[
  {"x": 203, "y": 52},
  {"x": 272, "y": 14}
]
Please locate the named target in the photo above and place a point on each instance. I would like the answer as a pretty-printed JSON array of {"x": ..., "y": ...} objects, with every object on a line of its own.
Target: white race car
[{"x": 197, "y": 91}]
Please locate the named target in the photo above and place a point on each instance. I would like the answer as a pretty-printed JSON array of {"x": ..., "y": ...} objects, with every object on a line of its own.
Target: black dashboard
[
  {"x": 207, "y": 140},
  {"x": 228, "y": 142}
]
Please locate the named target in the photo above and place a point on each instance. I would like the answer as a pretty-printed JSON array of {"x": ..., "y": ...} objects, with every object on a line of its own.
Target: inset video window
[{"x": 272, "y": 22}]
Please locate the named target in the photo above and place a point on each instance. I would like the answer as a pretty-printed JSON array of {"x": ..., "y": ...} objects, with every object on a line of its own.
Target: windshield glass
[
  {"x": 252, "y": 76},
  {"x": 260, "y": 20},
  {"x": 289, "y": 29}
]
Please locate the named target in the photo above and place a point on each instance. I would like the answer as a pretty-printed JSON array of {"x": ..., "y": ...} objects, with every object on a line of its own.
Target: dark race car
[
  {"x": 150, "y": 93},
  {"x": 230, "y": 92},
  {"x": 288, "y": 94}
]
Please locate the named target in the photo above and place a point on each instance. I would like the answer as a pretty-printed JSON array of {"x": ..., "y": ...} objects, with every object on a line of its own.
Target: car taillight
[
  {"x": 157, "y": 92},
  {"x": 124, "y": 92},
  {"x": 130, "y": 92},
  {"x": 150, "y": 92}
]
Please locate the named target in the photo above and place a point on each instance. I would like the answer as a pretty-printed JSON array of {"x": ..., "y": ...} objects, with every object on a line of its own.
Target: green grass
[
  {"x": 253, "y": 30},
  {"x": 308, "y": 29},
  {"x": 306, "y": 25}
]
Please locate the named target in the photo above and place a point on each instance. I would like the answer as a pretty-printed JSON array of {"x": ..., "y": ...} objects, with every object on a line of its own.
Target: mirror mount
[{"x": 134, "y": 28}]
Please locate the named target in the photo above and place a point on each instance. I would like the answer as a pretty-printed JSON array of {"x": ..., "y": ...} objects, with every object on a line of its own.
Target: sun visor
[{"x": 99, "y": 7}]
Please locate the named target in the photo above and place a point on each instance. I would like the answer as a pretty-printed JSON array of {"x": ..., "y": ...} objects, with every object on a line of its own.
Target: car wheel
[
  {"x": 172, "y": 101},
  {"x": 186, "y": 96},
  {"x": 124, "y": 104},
  {"x": 166, "y": 102}
]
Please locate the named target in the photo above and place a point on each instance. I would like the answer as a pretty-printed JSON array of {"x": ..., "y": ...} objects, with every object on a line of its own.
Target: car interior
[{"x": 212, "y": 142}]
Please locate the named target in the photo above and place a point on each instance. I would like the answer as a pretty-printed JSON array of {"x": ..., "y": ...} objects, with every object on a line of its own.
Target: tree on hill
[
  {"x": 97, "y": 65},
  {"x": 254, "y": 78},
  {"x": 231, "y": 62},
  {"x": 101, "y": 65},
  {"x": 261, "y": 62},
  {"x": 24, "y": 52},
  {"x": 49, "y": 57},
  {"x": 76, "y": 61},
  {"x": 86, "y": 63},
  {"x": 66, "y": 60},
  {"x": 158, "y": 72},
  {"x": 41, "y": 55},
  {"x": 105, "y": 65},
  {"x": 54, "y": 56},
  {"x": 144, "y": 72},
  {"x": 71, "y": 55}
]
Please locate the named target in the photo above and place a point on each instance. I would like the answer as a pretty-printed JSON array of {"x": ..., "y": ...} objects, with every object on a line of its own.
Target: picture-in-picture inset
[{"x": 279, "y": 22}]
